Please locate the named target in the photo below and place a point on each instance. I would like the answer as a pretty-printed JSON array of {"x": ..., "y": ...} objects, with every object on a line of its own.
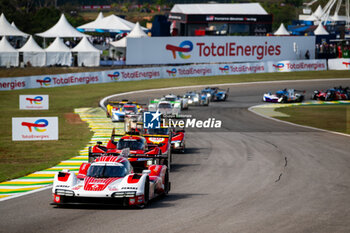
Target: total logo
[
  {"x": 114, "y": 76},
  {"x": 44, "y": 82},
  {"x": 279, "y": 66},
  {"x": 184, "y": 47},
  {"x": 38, "y": 125},
  {"x": 347, "y": 64},
  {"x": 224, "y": 69},
  {"x": 172, "y": 72},
  {"x": 35, "y": 100}
]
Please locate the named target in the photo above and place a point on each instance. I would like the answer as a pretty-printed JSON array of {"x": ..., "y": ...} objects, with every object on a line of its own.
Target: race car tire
[
  {"x": 166, "y": 183},
  {"x": 146, "y": 194}
]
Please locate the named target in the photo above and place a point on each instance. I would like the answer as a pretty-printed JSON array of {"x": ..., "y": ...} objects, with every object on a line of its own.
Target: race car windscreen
[
  {"x": 164, "y": 105},
  {"x": 160, "y": 131},
  {"x": 130, "y": 108},
  {"x": 106, "y": 171},
  {"x": 133, "y": 144},
  {"x": 170, "y": 99}
]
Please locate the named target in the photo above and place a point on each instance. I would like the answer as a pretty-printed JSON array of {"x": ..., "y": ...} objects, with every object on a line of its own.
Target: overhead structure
[
  {"x": 33, "y": 53},
  {"x": 62, "y": 29},
  {"x": 282, "y": 31},
  {"x": 8, "y": 55},
  {"x": 6, "y": 29},
  {"x": 137, "y": 32},
  {"x": 58, "y": 54},
  {"x": 110, "y": 23},
  {"x": 88, "y": 55}
]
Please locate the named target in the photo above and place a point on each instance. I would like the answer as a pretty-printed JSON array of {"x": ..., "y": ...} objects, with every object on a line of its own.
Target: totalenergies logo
[
  {"x": 224, "y": 69},
  {"x": 279, "y": 66},
  {"x": 44, "y": 82},
  {"x": 347, "y": 64},
  {"x": 38, "y": 126},
  {"x": 35, "y": 100},
  {"x": 172, "y": 72},
  {"x": 114, "y": 76},
  {"x": 185, "y": 47}
]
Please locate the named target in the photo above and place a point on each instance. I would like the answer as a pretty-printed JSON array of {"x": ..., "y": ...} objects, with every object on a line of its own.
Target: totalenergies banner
[
  {"x": 34, "y": 128},
  {"x": 208, "y": 49},
  {"x": 339, "y": 64},
  {"x": 148, "y": 73}
]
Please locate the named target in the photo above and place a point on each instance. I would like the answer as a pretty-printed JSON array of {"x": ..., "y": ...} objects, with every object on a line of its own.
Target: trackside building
[{"x": 244, "y": 19}]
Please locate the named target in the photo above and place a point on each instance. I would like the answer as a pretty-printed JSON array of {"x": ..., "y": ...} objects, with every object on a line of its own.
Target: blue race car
[{"x": 216, "y": 94}]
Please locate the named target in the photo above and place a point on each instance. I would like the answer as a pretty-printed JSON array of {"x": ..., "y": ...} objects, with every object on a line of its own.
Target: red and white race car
[{"x": 112, "y": 180}]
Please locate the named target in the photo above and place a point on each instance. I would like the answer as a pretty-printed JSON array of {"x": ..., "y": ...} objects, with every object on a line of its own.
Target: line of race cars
[
  {"x": 292, "y": 95},
  {"x": 133, "y": 167}
]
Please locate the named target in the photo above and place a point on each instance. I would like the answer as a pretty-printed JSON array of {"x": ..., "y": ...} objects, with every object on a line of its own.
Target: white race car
[
  {"x": 112, "y": 180},
  {"x": 165, "y": 107}
]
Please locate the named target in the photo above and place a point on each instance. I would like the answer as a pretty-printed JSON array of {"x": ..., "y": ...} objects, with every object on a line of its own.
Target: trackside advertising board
[
  {"x": 34, "y": 102},
  {"x": 34, "y": 128},
  {"x": 339, "y": 64},
  {"x": 209, "y": 49},
  {"x": 175, "y": 71}
]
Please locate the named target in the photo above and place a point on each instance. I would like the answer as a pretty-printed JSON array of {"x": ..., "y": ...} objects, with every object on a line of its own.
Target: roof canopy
[
  {"x": 61, "y": 29},
  {"x": 31, "y": 46},
  {"x": 319, "y": 12},
  {"x": 57, "y": 46},
  {"x": 110, "y": 23},
  {"x": 228, "y": 9},
  {"x": 282, "y": 31},
  {"x": 6, "y": 29},
  {"x": 137, "y": 32},
  {"x": 320, "y": 30},
  {"x": 85, "y": 46},
  {"x": 5, "y": 46}
]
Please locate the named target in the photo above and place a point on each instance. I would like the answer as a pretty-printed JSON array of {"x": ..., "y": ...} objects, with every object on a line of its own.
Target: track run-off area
[{"x": 252, "y": 175}]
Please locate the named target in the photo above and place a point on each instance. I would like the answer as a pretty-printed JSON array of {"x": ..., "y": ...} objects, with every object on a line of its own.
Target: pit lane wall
[{"x": 118, "y": 75}]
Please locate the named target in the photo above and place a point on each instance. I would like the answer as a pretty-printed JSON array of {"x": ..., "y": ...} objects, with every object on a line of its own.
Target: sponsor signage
[
  {"x": 34, "y": 128},
  {"x": 8, "y": 84},
  {"x": 34, "y": 102},
  {"x": 301, "y": 65},
  {"x": 339, "y": 64},
  {"x": 208, "y": 49},
  {"x": 65, "y": 80}
]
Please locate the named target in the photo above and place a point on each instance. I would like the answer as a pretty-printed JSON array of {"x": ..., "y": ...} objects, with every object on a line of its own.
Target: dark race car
[
  {"x": 216, "y": 94},
  {"x": 336, "y": 93}
]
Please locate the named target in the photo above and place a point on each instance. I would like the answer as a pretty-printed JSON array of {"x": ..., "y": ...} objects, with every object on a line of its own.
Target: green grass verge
[
  {"x": 21, "y": 158},
  {"x": 330, "y": 117}
]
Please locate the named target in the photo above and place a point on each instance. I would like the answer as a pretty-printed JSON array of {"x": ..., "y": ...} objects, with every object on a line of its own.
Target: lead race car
[
  {"x": 284, "y": 96},
  {"x": 112, "y": 180}
]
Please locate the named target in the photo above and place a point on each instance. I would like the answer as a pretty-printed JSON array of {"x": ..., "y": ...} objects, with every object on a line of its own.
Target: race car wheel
[
  {"x": 166, "y": 183},
  {"x": 146, "y": 194}
]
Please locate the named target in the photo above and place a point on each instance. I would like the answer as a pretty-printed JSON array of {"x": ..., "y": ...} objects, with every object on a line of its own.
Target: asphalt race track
[{"x": 252, "y": 175}]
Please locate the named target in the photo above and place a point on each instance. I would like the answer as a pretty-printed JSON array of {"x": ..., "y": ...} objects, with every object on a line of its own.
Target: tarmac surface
[{"x": 251, "y": 175}]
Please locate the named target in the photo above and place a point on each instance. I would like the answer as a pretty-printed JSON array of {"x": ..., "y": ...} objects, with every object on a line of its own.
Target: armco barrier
[{"x": 118, "y": 75}]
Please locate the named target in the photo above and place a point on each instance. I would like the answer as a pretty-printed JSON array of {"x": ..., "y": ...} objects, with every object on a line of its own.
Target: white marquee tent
[
  {"x": 136, "y": 32},
  {"x": 61, "y": 29},
  {"x": 91, "y": 27},
  {"x": 110, "y": 23},
  {"x": 88, "y": 55},
  {"x": 33, "y": 53},
  {"x": 320, "y": 30},
  {"x": 58, "y": 54},
  {"x": 6, "y": 29},
  {"x": 282, "y": 31},
  {"x": 8, "y": 55}
]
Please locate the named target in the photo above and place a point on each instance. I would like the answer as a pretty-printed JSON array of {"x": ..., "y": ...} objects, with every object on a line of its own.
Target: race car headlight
[
  {"x": 63, "y": 192},
  {"x": 124, "y": 194},
  {"x": 195, "y": 99},
  {"x": 190, "y": 101},
  {"x": 208, "y": 94},
  {"x": 176, "y": 143}
]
